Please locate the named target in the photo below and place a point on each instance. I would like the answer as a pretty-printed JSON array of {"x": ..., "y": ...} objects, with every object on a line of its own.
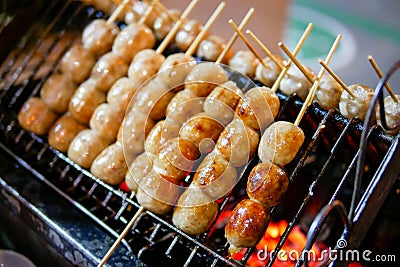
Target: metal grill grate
[{"x": 321, "y": 173}]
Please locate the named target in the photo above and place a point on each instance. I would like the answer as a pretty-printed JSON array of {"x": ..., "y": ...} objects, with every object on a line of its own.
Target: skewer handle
[
  {"x": 122, "y": 235},
  {"x": 206, "y": 27},
  {"x": 117, "y": 11},
  {"x": 148, "y": 12},
  {"x": 380, "y": 75},
  {"x": 235, "y": 35}
]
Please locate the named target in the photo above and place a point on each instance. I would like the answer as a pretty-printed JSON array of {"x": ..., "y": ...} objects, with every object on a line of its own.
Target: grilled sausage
[
  {"x": 245, "y": 62},
  {"x": 63, "y": 131},
  {"x": 77, "y": 62},
  {"x": 98, "y": 37},
  {"x": 356, "y": 107}
]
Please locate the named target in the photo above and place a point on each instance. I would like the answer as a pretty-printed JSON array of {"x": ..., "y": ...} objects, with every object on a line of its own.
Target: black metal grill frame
[{"x": 110, "y": 208}]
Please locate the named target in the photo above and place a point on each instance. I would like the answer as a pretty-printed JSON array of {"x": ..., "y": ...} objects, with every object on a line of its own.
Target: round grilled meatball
[
  {"x": 183, "y": 105},
  {"x": 187, "y": 33},
  {"x": 237, "y": 143},
  {"x": 57, "y": 91},
  {"x": 294, "y": 81},
  {"x": 35, "y": 116},
  {"x": 98, "y": 37},
  {"x": 106, "y": 121},
  {"x": 152, "y": 99},
  {"x": 204, "y": 77},
  {"x": 247, "y": 224},
  {"x": 258, "y": 108},
  {"x": 77, "y": 63},
  {"x": 245, "y": 62},
  {"x": 163, "y": 24},
  {"x": 215, "y": 176},
  {"x": 138, "y": 169},
  {"x": 267, "y": 75},
  {"x": 108, "y": 70},
  {"x": 280, "y": 143},
  {"x": 145, "y": 64},
  {"x": 174, "y": 70},
  {"x": 110, "y": 166},
  {"x": 211, "y": 47},
  {"x": 392, "y": 112},
  {"x": 159, "y": 134},
  {"x": 121, "y": 92},
  {"x": 356, "y": 107},
  {"x": 85, "y": 147},
  {"x": 328, "y": 92},
  {"x": 85, "y": 100},
  {"x": 176, "y": 159},
  {"x": 201, "y": 128},
  {"x": 63, "y": 132},
  {"x": 222, "y": 101},
  {"x": 156, "y": 194},
  {"x": 195, "y": 212},
  {"x": 133, "y": 132},
  {"x": 131, "y": 40},
  {"x": 107, "y": 7},
  {"x": 267, "y": 183}
]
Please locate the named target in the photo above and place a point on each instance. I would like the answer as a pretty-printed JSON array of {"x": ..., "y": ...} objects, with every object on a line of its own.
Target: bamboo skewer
[
  {"x": 235, "y": 35},
  {"x": 265, "y": 49},
  {"x": 306, "y": 73},
  {"x": 248, "y": 44},
  {"x": 148, "y": 11},
  {"x": 334, "y": 76},
  {"x": 296, "y": 50},
  {"x": 176, "y": 26},
  {"x": 380, "y": 75},
  {"x": 117, "y": 11},
  {"x": 315, "y": 85},
  {"x": 209, "y": 23}
]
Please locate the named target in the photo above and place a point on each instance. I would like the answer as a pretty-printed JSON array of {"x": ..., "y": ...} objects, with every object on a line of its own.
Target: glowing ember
[{"x": 290, "y": 251}]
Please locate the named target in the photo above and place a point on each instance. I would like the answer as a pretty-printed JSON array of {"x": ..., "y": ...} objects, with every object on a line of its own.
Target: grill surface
[{"x": 322, "y": 172}]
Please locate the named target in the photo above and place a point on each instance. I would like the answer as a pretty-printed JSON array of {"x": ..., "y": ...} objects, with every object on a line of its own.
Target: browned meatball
[
  {"x": 268, "y": 74},
  {"x": 131, "y": 40},
  {"x": 106, "y": 121},
  {"x": 392, "y": 112},
  {"x": 63, "y": 132},
  {"x": 57, "y": 92},
  {"x": 157, "y": 137},
  {"x": 247, "y": 224},
  {"x": 108, "y": 70},
  {"x": 85, "y": 147},
  {"x": 163, "y": 24},
  {"x": 174, "y": 70},
  {"x": 267, "y": 182},
  {"x": 122, "y": 92},
  {"x": 222, "y": 101},
  {"x": 237, "y": 143},
  {"x": 199, "y": 128},
  {"x": 138, "y": 9},
  {"x": 211, "y": 47},
  {"x": 77, "y": 63},
  {"x": 176, "y": 159},
  {"x": 98, "y": 37},
  {"x": 204, "y": 77},
  {"x": 156, "y": 194},
  {"x": 133, "y": 132},
  {"x": 138, "y": 169},
  {"x": 187, "y": 33},
  {"x": 215, "y": 176},
  {"x": 245, "y": 62},
  {"x": 328, "y": 92},
  {"x": 294, "y": 81},
  {"x": 110, "y": 166},
  {"x": 356, "y": 107},
  {"x": 258, "y": 108},
  {"x": 182, "y": 106},
  {"x": 145, "y": 64},
  {"x": 85, "y": 100},
  {"x": 280, "y": 143},
  {"x": 35, "y": 116},
  {"x": 195, "y": 212}
]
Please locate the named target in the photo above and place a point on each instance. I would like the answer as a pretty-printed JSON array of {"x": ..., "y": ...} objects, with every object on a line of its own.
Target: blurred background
[{"x": 369, "y": 27}]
